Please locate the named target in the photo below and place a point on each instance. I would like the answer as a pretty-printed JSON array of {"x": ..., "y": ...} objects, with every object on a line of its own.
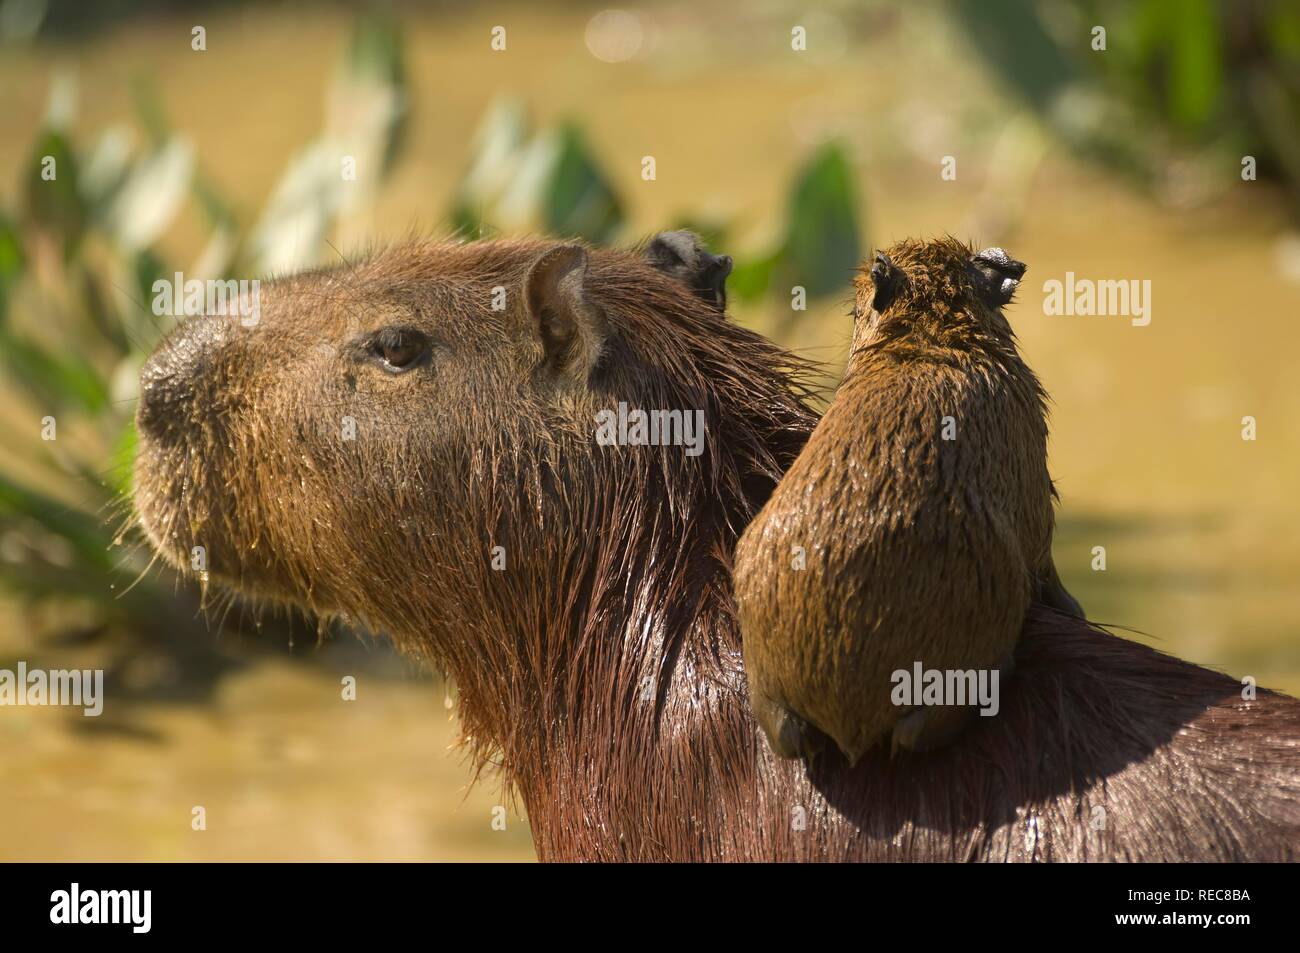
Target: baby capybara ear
[
  {"x": 571, "y": 327},
  {"x": 682, "y": 255},
  {"x": 999, "y": 276},
  {"x": 887, "y": 280}
]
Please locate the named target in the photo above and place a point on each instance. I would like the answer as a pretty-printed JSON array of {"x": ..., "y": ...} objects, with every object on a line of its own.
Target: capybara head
[
  {"x": 413, "y": 440},
  {"x": 682, "y": 255},
  {"x": 942, "y": 290}
]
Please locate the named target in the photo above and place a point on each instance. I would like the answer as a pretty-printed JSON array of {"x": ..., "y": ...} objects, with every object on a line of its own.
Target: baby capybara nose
[{"x": 174, "y": 374}]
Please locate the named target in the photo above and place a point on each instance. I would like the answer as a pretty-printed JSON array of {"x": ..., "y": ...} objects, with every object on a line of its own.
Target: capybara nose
[
  {"x": 174, "y": 374},
  {"x": 1000, "y": 260}
]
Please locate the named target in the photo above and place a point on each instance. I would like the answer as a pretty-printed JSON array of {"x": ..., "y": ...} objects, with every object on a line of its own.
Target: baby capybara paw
[
  {"x": 926, "y": 729},
  {"x": 930, "y": 728},
  {"x": 788, "y": 735},
  {"x": 1051, "y": 592}
]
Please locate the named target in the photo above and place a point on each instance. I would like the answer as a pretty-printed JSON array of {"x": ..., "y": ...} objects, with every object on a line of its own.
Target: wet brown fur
[
  {"x": 602, "y": 670},
  {"x": 916, "y": 548}
]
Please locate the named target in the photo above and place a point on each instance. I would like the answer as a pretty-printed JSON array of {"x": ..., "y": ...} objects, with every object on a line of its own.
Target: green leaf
[
  {"x": 577, "y": 199},
  {"x": 466, "y": 221},
  {"x": 375, "y": 50},
  {"x": 123, "y": 460},
  {"x": 12, "y": 263},
  {"x": 85, "y": 533},
  {"x": 55, "y": 382},
  {"x": 21, "y": 22},
  {"x": 146, "y": 268},
  {"x": 129, "y": 325},
  {"x": 1196, "y": 67},
  {"x": 1011, "y": 39},
  {"x": 822, "y": 245},
  {"x": 149, "y": 107},
  {"x": 1283, "y": 32},
  {"x": 220, "y": 213},
  {"x": 152, "y": 194},
  {"x": 98, "y": 308},
  {"x": 749, "y": 280},
  {"x": 104, "y": 171},
  {"x": 498, "y": 152},
  {"x": 374, "y": 71},
  {"x": 296, "y": 220},
  {"x": 53, "y": 200}
]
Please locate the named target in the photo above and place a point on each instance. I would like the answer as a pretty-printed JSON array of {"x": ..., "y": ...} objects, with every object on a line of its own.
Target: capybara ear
[
  {"x": 571, "y": 327},
  {"x": 682, "y": 255},
  {"x": 887, "y": 279},
  {"x": 1000, "y": 275}
]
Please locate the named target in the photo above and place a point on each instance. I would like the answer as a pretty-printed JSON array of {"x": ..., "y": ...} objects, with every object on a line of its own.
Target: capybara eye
[{"x": 399, "y": 349}]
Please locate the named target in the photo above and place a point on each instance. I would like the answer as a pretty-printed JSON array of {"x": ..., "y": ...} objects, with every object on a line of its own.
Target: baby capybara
[{"x": 916, "y": 525}]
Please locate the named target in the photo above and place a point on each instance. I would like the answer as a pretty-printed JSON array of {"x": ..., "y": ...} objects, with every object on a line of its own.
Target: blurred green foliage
[
  {"x": 520, "y": 179},
  {"x": 79, "y": 256},
  {"x": 78, "y": 260},
  {"x": 1215, "y": 77}
]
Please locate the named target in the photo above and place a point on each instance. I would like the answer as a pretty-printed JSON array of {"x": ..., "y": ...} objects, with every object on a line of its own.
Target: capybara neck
[{"x": 601, "y": 668}]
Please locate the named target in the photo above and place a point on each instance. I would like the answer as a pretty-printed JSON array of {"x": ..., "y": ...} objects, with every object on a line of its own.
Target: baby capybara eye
[{"x": 399, "y": 349}]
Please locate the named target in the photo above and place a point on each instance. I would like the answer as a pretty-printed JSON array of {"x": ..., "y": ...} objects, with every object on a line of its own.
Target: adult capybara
[
  {"x": 920, "y": 510},
  {"x": 410, "y": 439}
]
